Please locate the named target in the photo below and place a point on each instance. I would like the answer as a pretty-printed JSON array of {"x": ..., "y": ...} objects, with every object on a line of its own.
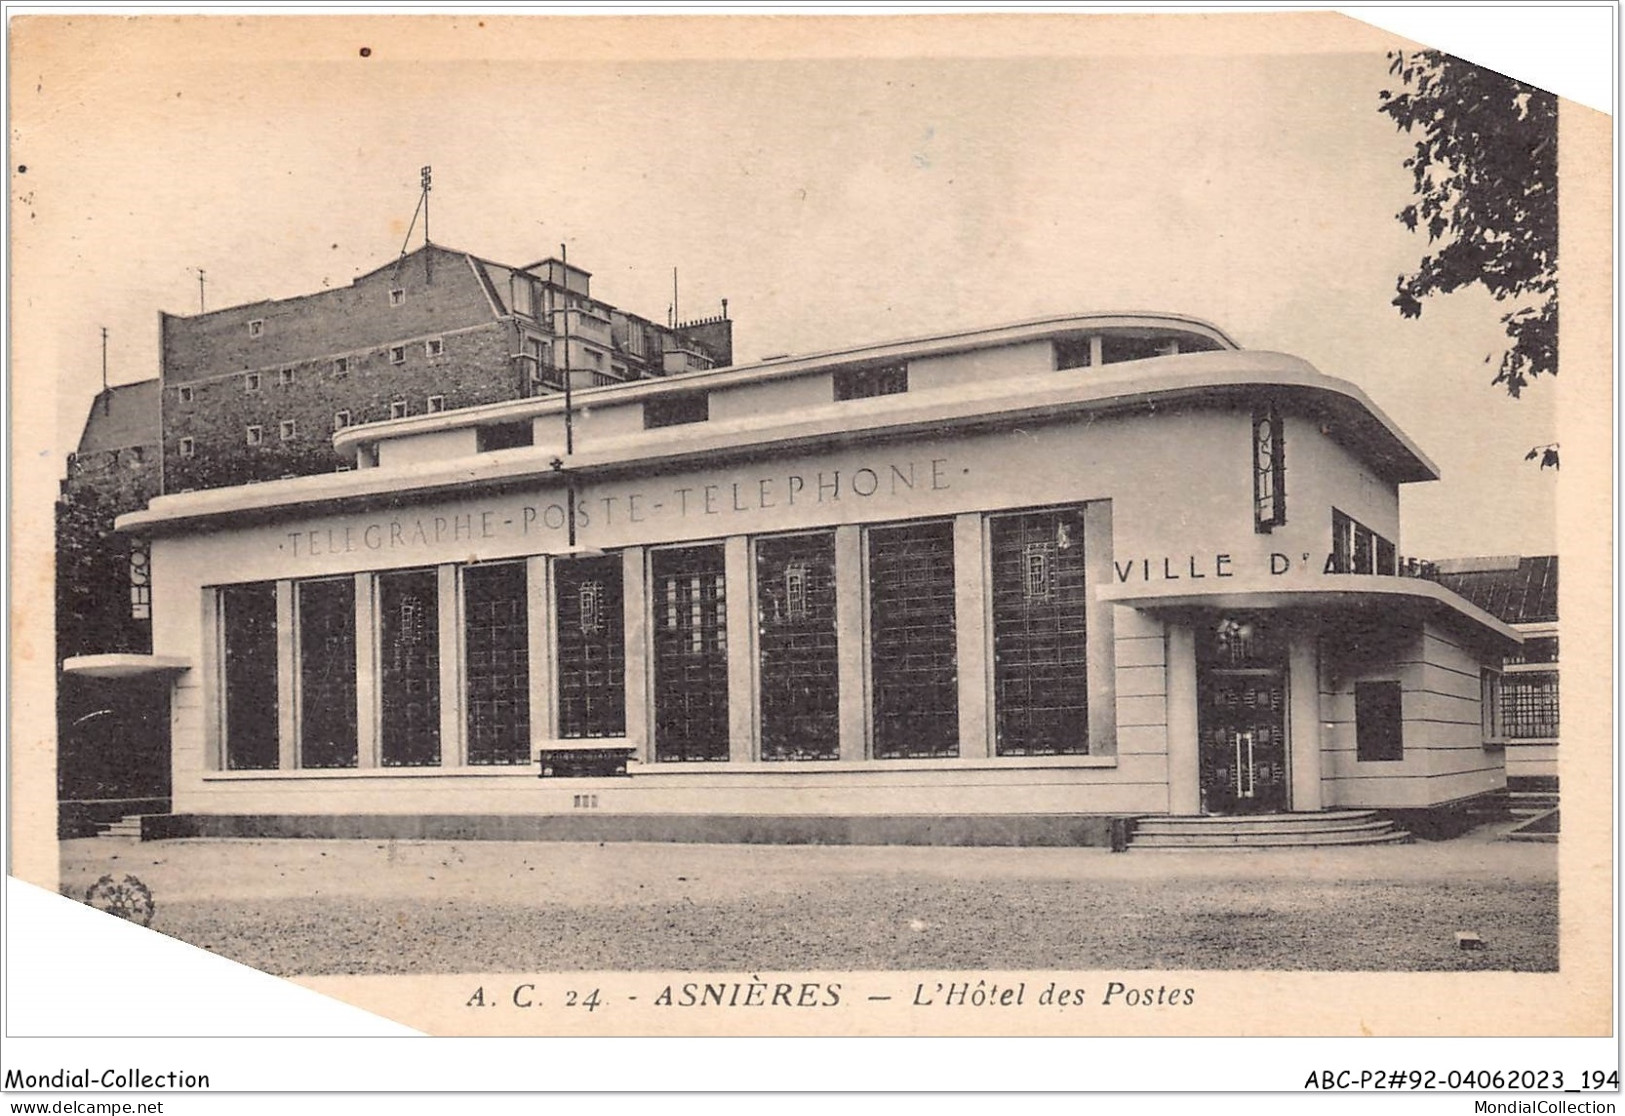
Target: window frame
[
  {"x": 251, "y": 381},
  {"x": 287, "y": 430},
  {"x": 254, "y": 434},
  {"x": 341, "y": 420},
  {"x": 397, "y": 354},
  {"x": 434, "y": 404},
  {"x": 186, "y": 393},
  {"x": 399, "y": 409},
  {"x": 434, "y": 348},
  {"x": 187, "y": 446}
]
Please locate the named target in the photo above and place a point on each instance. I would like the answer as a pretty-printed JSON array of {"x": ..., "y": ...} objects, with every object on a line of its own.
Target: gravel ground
[{"x": 322, "y": 907}]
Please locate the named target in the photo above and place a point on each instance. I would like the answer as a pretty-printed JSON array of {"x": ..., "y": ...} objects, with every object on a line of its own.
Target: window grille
[
  {"x": 497, "y": 648},
  {"x": 327, "y": 685},
  {"x": 1529, "y": 705},
  {"x": 913, "y": 653},
  {"x": 795, "y": 602},
  {"x": 591, "y": 647},
  {"x": 1040, "y": 638},
  {"x": 690, "y": 654},
  {"x": 249, "y": 676},
  {"x": 409, "y": 668}
]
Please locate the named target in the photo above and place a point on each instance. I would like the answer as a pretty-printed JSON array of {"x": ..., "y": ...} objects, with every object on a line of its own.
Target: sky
[{"x": 834, "y": 194}]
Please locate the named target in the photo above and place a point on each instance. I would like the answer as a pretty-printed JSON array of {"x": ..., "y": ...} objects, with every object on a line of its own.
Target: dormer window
[
  {"x": 256, "y": 328},
  {"x": 397, "y": 297},
  {"x": 867, "y": 383}
]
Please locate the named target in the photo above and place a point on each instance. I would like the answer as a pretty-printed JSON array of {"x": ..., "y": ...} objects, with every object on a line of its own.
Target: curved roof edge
[
  {"x": 1403, "y": 594},
  {"x": 1190, "y": 378}
]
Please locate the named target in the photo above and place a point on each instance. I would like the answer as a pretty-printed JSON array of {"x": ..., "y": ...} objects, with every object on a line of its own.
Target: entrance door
[{"x": 1242, "y": 720}]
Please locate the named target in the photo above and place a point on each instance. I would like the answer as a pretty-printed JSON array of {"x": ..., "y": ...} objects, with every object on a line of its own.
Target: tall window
[
  {"x": 795, "y": 603},
  {"x": 497, "y": 640},
  {"x": 1379, "y": 729},
  {"x": 1358, "y": 549},
  {"x": 327, "y": 691},
  {"x": 913, "y": 653},
  {"x": 249, "y": 671},
  {"x": 409, "y": 667},
  {"x": 690, "y": 654},
  {"x": 591, "y": 647},
  {"x": 1040, "y": 648}
]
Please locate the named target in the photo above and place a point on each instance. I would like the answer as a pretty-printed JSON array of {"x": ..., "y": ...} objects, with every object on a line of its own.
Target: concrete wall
[{"x": 1444, "y": 757}]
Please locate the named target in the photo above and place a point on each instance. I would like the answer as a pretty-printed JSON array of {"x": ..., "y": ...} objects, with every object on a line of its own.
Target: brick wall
[
  {"x": 440, "y": 293},
  {"x": 472, "y": 367}
]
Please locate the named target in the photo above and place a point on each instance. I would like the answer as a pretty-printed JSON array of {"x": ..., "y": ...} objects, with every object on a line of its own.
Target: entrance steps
[
  {"x": 127, "y": 826},
  {"x": 1267, "y": 831},
  {"x": 1530, "y": 804}
]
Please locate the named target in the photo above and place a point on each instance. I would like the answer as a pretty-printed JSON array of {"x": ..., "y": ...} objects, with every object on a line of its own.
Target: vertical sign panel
[
  {"x": 688, "y": 606},
  {"x": 912, "y": 643},
  {"x": 795, "y": 601}
]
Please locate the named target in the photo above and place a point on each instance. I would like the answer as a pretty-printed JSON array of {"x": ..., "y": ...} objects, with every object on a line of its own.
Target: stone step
[
  {"x": 1160, "y": 827},
  {"x": 1254, "y": 819},
  {"x": 127, "y": 826},
  {"x": 1168, "y": 843}
]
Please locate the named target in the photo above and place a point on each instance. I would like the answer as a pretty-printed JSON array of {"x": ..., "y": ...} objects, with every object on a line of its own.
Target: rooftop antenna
[
  {"x": 675, "y": 317},
  {"x": 424, "y": 177},
  {"x": 107, "y": 397},
  {"x": 201, "y": 308}
]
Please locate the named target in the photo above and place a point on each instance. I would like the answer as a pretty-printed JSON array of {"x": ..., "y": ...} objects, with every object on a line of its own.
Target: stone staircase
[
  {"x": 127, "y": 827},
  {"x": 1267, "y": 831},
  {"x": 1530, "y": 803}
]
